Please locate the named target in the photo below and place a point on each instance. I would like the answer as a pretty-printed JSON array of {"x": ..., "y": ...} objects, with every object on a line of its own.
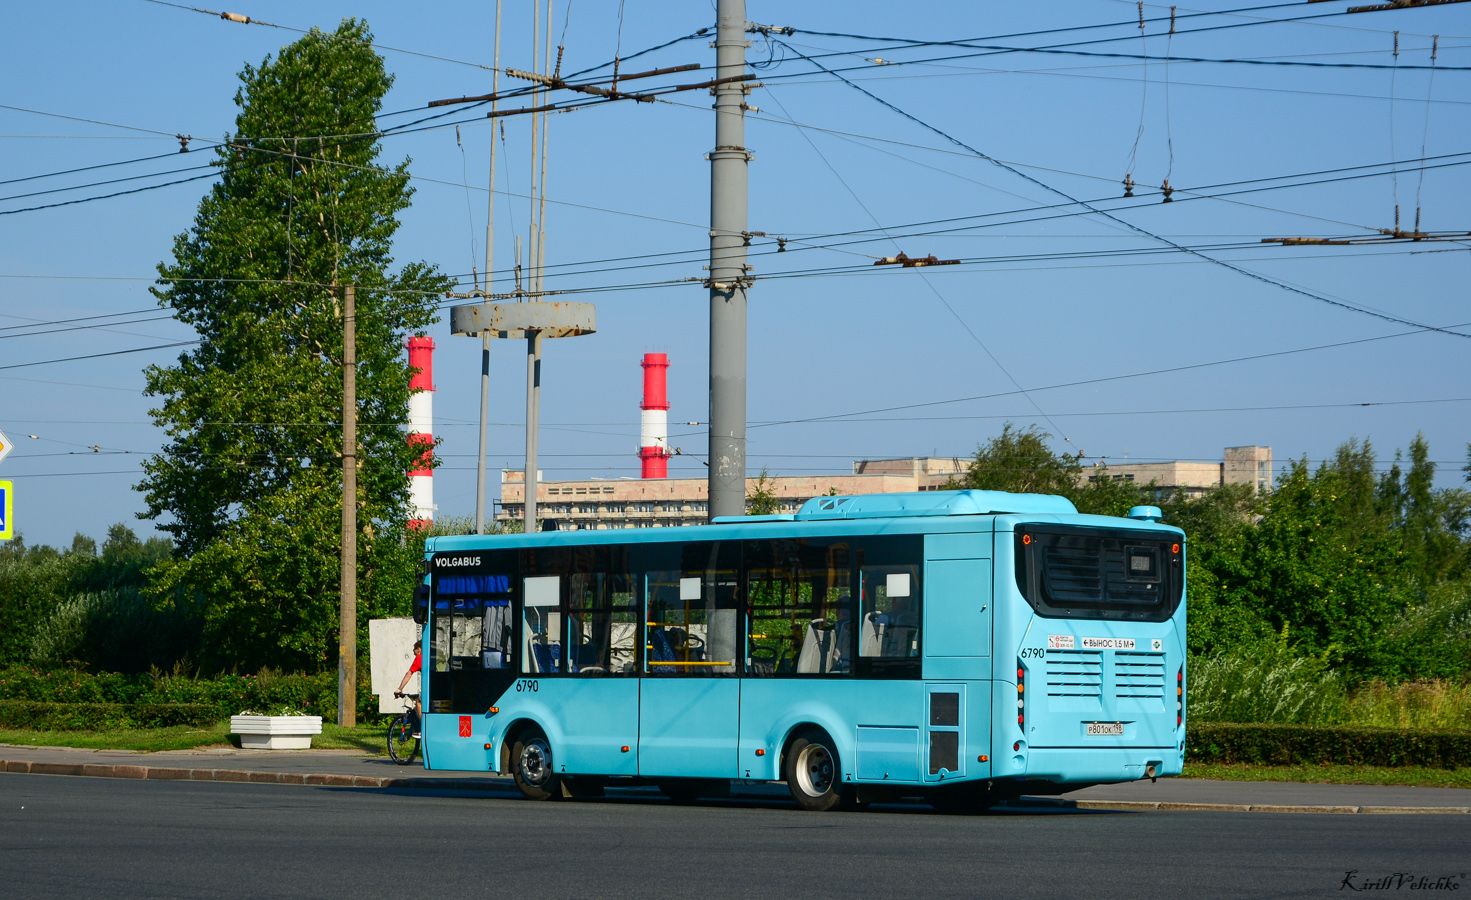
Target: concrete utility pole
[
  {"x": 533, "y": 423},
  {"x": 495, "y": 82},
  {"x": 347, "y": 633},
  {"x": 728, "y": 271}
]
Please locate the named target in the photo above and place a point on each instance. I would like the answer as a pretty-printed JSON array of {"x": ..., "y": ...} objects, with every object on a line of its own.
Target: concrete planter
[{"x": 275, "y": 732}]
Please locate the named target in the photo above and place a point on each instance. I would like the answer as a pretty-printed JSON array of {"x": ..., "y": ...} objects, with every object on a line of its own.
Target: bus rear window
[{"x": 1099, "y": 573}]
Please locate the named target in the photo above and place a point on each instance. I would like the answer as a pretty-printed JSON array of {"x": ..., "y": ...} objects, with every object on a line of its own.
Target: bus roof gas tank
[
  {"x": 1146, "y": 513},
  {"x": 932, "y": 503}
]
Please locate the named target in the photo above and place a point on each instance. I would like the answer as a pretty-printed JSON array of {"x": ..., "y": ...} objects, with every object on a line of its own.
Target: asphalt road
[{"x": 102, "y": 837}]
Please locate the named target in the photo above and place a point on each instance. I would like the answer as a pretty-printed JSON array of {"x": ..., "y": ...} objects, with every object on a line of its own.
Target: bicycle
[{"x": 403, "y": 743}]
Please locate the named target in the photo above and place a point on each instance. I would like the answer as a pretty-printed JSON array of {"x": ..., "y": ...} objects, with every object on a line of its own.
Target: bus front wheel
[
  {"x": 531, "y": 766},
  {"x": 812, "y": 772}
]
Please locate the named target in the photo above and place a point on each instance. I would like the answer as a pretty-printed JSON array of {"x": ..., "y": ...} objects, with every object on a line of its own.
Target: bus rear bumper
[{"x": 1094, "y": 765}]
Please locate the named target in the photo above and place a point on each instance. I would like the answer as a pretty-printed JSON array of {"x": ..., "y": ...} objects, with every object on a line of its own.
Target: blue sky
[{"x": 1047, "y": 296}]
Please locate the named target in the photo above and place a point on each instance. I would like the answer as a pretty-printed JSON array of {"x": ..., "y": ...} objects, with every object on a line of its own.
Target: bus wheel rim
[
  {"x": 536, "y": 762},
  {"x": 815, "y": 770}
]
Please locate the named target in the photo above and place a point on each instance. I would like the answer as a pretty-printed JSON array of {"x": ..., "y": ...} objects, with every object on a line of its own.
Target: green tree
[
  {"x": 33, "y": 583},
  {"x": 1432, "y": 524},
  {"x": 1101, "y": 494},
  {"x": 1020, "y": 461},
  {"x": 1325, "y": 562},
  {"x": 761, "y": 499},
  {"x": 249, "y": 485}
]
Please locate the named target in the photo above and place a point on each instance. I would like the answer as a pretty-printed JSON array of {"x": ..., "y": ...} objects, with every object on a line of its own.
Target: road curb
[
  {"x": 238, "y": 776},
  {"x": 1145, "y": 805},
  {"x": 244, "y": 776}
]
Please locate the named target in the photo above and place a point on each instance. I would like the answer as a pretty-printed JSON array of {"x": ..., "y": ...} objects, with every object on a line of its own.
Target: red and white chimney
[
  {"x": 421, "y": 430},
  {"x": 653, "y": 447}
]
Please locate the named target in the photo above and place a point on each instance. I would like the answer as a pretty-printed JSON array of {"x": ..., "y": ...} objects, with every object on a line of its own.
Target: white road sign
[{"x": 4, "y": 446}]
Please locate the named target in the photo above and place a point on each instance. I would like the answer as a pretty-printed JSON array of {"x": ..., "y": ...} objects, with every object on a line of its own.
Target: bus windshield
[{"x": 1067, "y": 571}]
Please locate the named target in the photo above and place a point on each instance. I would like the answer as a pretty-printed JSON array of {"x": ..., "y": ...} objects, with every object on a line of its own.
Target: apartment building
[{"x": 673, "y": 502}]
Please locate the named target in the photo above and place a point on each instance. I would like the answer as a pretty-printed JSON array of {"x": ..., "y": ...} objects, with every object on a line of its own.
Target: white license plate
[{"x": 1109, "y": 728}]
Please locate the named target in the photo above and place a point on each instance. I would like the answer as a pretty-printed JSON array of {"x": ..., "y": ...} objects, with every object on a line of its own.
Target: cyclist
[{"x": 416, "y": 666}]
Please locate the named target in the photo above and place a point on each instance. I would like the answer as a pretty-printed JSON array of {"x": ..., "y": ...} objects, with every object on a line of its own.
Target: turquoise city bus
[{"x": 960, "y": 646}]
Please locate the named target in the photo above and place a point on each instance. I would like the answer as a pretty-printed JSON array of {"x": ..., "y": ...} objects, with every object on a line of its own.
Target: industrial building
[
  {"x": 657, "y": 501},
  {"x": 1239, "y": 465},
  {"x": 667, "y": 502}
]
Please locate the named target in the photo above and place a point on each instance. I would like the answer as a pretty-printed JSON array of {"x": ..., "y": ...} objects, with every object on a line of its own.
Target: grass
[
  {"x": 1417, "y": 705},
  {"x": 1270, "y": 682},
  {"x": 1416, "y": 776},
  {"x": 370, "y": 739}
]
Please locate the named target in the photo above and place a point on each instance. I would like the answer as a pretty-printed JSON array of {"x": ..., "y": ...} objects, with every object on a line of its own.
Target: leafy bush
[
  {"x": 1435, "y": 632},
  {"x": 33, "y": 580},
  {"x": 40, "y": 716},
  {"x": 226, "y": 695},
  {"x": 1284, "y": 745},
  {"x": 1264, "y": 682}
]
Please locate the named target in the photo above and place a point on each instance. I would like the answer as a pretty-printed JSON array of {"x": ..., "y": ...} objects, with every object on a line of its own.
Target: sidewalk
[{"x": 348, "y": 768}]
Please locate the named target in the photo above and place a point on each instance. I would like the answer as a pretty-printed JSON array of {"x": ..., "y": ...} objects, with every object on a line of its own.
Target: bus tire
[
  {"x": 812, "y": 772},
  {"x": 532, "y": 766}
]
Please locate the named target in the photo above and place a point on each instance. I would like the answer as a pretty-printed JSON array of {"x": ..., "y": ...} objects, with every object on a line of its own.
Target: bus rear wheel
[
  {"x": 531, "y": 766},
  {"x": 812, "y": 772}
]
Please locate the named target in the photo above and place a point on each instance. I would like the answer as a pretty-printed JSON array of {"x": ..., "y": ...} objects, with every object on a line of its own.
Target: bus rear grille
[
  {"x": 1074, "y": 673},
  {"x": 1139, "y": 675},
  {"x": 1073, "y": 574}
]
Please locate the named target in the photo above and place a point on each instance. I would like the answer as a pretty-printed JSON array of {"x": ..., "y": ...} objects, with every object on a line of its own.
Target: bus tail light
[
  {"x": 1021, "y": 686},
  {"x": 1180, "y": 696}
]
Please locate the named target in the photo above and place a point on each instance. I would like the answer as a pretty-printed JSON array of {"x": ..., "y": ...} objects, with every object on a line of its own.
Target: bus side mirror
[{"x": 421, "y": 604}]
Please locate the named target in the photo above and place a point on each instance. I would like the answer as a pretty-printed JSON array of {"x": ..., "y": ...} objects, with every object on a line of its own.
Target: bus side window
[
  {"x": 542, "y": 621},
  {"x": 889, "y": 613},
  {"x": 799, "y": 615},
  {"x": 693, "y": 611},
  {"x": 601, "y": 620},
  {"x": 439, "y": 644},
  {"x": 469, "y": 626}
]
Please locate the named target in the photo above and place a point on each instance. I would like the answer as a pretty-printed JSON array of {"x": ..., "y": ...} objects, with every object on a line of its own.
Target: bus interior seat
[
  {"x": 659, "y": 651},
  {"x": 763, "y": 661},
  {"x": 819, "y": 648},
  {"x": 546, "y": 657},
  {"x": 899, "y": 641},
  {"x": 584, "y": 657},
  {"x": 842, "y": 647},
  {"x": 871, "y": 634}
]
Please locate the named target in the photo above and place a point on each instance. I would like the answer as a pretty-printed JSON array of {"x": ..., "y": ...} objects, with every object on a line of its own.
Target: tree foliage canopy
[
  {"x": 249, "y": 485},
  {"x": 1370, "y": 571}
]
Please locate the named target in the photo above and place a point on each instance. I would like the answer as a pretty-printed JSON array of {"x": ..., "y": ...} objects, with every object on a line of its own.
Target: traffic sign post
[{"x": 7, "y": 523}]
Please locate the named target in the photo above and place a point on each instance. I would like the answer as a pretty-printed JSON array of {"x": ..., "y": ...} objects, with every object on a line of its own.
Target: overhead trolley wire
[
  {"x": 1108, "y": 378},
  {"x": 1067, "y": 47},
  {"x": 46, "y": 362},
  {"x": 1247, "y": 272}
]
